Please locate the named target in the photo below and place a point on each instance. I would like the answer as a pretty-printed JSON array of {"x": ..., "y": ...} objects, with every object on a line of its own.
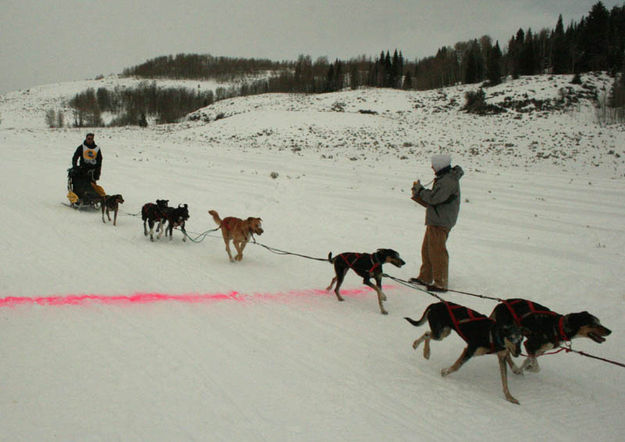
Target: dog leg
[
  {"x": 340, "y": 276},
  {"x": 160, "y": 229},
  {"x": 530, "y": 364},
  {"x": 239, "y": 245},
  {"x": 381, "y": 299},
  {"x": 115, "y": 218},
  {"x": 228, "y": 249},
  {"x": 328, "y": 288},
  {"x": 145, "y": 228},
  {"x": 381, "y": 296},
  {"x": 427, "y": 336},
  {"x": 378, "y": 282},
  {"x": 503, "y": 356},
  {"x": 437, "y": 335},
  {"x": 515, "y": 369},
  {"x": 467, "y": 353}
]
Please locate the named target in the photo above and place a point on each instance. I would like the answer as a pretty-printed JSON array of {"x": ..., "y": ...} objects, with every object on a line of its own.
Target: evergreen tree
[
  {"x": 515, "y": 50},
  {"x": 354, "y": 78},
  {"x": 494, "y": 65},
  {"x": 559, "y": 51},
  {"x": 474, "y": 65},
  {"x": 595, "y": 39},
  {"x": 527, "y": 57},
  {"x": 616, "y": 37},
  {"x": 330, "y": 78}
]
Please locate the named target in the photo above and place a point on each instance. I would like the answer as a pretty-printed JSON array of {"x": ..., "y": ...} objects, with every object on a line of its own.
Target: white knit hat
[{"x": 440, "y": 161}]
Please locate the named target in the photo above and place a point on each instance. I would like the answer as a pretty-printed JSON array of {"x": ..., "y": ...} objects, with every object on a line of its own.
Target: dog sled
[{"x": 82, "y": 190}]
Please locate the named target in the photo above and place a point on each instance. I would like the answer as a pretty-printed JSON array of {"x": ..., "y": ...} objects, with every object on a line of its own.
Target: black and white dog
[
  {"x": 152, "y": 214},
  {"x": 176, "y": 217}
]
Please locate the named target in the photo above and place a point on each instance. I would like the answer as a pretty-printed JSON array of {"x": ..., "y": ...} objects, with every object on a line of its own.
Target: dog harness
[
  {"x": 467, "y": 315},
  {"x": 533, "y": 310},
  {"x": 357, "y": 256}
]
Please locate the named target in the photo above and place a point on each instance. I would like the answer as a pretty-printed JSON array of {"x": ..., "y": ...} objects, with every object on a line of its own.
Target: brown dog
[
  {"x": 110, "y": 203},
  {"x": 238, "y": 231}
]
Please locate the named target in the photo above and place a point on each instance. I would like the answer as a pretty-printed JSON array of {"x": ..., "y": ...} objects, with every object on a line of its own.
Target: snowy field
[{"x": 105, "y": 335}]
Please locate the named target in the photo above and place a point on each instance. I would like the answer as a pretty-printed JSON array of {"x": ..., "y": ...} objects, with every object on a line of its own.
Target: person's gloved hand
[{"x": 416, "y": 187}]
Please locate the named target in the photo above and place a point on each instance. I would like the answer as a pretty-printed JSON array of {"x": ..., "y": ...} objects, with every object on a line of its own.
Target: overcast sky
[{"x": 50, "y": 41}]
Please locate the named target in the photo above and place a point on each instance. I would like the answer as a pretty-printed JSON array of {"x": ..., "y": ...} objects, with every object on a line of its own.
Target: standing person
[
  {"x": 442, "y": 204},
  {"x": 88, "y": 156}
]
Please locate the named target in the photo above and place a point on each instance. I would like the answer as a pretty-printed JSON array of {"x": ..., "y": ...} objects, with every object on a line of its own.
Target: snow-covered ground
[{"x": 262, "y": 352}]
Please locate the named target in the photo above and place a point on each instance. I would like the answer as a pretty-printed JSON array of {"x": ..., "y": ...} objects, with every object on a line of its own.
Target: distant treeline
[
  {"x": 133, "y": 106},
  {"x": 595, "y": 43},
  {"x": 196, "y": 67}
]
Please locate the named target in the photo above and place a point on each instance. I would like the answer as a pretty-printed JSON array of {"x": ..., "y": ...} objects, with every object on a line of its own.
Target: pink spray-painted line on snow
[{"x": 148, "y": 298}]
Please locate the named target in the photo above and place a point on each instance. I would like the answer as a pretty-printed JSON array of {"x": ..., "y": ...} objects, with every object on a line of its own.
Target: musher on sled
[{"x": 82, "y": 176}]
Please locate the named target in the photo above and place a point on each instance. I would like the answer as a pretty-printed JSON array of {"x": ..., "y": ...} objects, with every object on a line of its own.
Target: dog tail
[
  {"x": 420, "y": 321},
  {"x": 215, "y": 217}
]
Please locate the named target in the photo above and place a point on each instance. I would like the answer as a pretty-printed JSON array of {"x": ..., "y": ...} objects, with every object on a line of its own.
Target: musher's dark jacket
[{"x": 88, "y": 157}]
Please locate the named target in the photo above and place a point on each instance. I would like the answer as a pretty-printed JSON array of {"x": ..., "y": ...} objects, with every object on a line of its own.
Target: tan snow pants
[{"x": 434, "y": 256}]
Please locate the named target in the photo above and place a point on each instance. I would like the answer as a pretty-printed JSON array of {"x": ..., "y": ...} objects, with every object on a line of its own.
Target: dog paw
[
  {"x": 444, "y": 372},
  {"x": 533, "y": 368},
  {"x": 384, "y": 312},
  {"x": 509, "y": 398}
]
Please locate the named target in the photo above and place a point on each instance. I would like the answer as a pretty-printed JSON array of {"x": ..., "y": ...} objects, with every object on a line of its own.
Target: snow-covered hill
[
  {"x": 27, "y": 108},
  {"x": 562, "y": 132},
  {"x": 546, "y": 121},
  {"x": 105, "y": 335}
]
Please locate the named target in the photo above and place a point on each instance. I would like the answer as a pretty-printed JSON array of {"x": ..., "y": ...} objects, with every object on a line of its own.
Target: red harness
[
  {"x": 356, "y": 258},
  {"x": 534, "y": 310},
  {"x": 471, "y": 316}
]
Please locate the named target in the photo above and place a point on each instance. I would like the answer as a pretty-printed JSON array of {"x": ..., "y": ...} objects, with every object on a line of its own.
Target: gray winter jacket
[{"x": 443, "y": 200}]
